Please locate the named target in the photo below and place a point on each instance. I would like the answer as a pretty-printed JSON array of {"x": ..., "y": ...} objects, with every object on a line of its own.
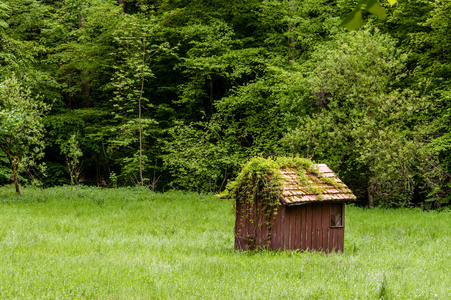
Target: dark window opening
[{"x": 336, "y": 215}]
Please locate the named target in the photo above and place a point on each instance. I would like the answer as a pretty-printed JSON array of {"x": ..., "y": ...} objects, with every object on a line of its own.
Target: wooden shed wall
[{"x": 306, "y": 226}]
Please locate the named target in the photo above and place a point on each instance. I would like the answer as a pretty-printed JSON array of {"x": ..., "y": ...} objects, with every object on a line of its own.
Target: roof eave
[{"x": 317, "y": 201}]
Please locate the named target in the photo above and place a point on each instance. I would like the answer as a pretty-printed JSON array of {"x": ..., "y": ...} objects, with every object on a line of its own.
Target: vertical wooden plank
[
  {"x": 258, "y": 217},
  {"x": 293, "y": 228},
  {"x": 278, "y": 228},
  {"x": 297, "y": 240},
  {"x": 273, "y": 230},
  {"x": 329, "y": 248},
  {"x": 246, "y": 223},
  {"x": 341, "y": 239},
  {"x": 263, "y": 236},
  {"x": 264, "y": 229},
  {"x": 286, "y": 232},
  {"x": 253, "y": 225},
  {"x": 342, "y": 229},
  {"x": 297, "y": 227},
  {"x": 316, "y": 226},
  {"x": 325, "y": 222},
  {"x": 304, "y": 227},
  {"x": 249, "y": 227},
  {"x": 343, "y": 214},
  {"x": 286, "y": 229},
  {"x": 331, "y": 239},
  {"x": 237, "y": 225},
  {"x": 309, "y": 229},
  {"x": 279, "y": 241},
  {"x": 319, "y": 225},
  {"x": 243, "y": 226},
  {"x": 337, "y": 239},
  {"x": 282, "y": 228}
]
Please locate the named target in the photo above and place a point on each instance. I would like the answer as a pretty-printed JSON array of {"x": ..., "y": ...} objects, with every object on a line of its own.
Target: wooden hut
[{"x": 309, "y": 212}]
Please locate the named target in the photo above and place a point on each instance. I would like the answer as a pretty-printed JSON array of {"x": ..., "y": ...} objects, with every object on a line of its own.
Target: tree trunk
[
  {"x": 210, "y": 104},
  {"x": 80, "y": 19},
  {"x": 139, "y": 115},
  {"x": 291, "y": 39},
  {"x": 15, "y": 175},
  {"x": 370, "y": 196},
  {"x": 124, "y": 6},
  {"x": 85, "y": 88}
]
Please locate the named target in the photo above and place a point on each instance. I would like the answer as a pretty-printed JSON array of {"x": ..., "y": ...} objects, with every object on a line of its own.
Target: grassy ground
[{"x": 134, "y": 244}]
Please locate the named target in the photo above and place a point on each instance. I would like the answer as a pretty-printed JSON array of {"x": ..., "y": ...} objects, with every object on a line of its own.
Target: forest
[{"x": 178, "y": 94}]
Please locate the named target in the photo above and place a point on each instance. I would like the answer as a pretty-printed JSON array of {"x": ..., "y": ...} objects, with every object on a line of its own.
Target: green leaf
[
  {"x": 375, "y": 8},
  {"x": 354, "y": 20},
  {"x": 392, "y": 2}
]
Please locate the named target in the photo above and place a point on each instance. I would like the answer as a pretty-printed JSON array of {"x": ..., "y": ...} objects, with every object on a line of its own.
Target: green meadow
[{"x": 130, "y": 243}]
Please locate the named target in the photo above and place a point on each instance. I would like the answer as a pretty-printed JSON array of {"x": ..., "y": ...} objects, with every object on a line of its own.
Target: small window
[{"x": 336, "y": 215}]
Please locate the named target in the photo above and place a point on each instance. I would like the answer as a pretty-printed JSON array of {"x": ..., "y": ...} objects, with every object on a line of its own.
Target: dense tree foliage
[
  {"x": 21, "y": 131},
  {"x": 179, "y": 94}
]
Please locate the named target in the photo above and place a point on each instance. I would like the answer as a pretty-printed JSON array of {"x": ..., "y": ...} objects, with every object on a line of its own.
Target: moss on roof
[{"x": 290, "y": 180}]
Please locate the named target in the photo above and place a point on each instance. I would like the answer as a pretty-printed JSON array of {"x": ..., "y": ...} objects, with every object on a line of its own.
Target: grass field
[{"x": 135, "y": 244}]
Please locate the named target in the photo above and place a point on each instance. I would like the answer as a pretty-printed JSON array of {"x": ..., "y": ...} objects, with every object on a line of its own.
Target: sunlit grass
[{"x": 135, "y": 244}]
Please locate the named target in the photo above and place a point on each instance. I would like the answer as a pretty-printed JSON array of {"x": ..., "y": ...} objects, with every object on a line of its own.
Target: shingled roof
[{"x": 295, "y": 193}]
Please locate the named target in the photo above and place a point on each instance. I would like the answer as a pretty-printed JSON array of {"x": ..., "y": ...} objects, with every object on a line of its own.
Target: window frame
[{"x": 335, "y": 211}]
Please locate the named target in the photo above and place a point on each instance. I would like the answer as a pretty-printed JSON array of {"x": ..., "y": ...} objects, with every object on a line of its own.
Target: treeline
[{"x": 178, "y": 94}]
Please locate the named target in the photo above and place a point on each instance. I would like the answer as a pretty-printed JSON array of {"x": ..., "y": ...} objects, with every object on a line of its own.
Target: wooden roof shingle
[{"x": 295, "y": 193}]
